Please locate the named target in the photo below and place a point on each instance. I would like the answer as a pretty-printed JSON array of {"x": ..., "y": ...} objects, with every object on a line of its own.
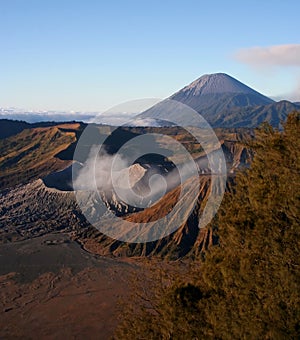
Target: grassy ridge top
[{"x": 31, "y": 153}]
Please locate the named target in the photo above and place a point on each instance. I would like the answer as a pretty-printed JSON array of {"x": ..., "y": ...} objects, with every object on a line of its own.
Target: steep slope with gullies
[
  {"x": 34, "y": 210},
  {"x": 253, "y": 116},
  {"x": 188, "y": 239}
]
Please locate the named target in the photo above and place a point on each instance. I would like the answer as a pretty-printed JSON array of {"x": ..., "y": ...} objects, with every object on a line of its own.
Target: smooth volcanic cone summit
[{"x": 219, "y": 87}]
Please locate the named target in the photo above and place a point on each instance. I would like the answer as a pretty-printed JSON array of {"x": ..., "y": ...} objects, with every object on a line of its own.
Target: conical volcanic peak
[
  {"x": 217, "y": 83},
  {"x": 213, "y": 94}
]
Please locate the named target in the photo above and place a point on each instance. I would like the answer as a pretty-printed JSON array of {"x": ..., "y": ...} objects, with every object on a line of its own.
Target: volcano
[
  {"x": 224, "y": 102},
  {"x": 219, "y": 89}
]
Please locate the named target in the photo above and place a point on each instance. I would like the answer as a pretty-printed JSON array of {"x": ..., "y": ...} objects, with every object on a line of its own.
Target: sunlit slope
[{"x": 31, "y": 153}]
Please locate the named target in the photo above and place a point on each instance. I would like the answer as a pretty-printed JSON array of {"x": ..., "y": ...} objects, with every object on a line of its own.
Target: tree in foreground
[{"x": 248, "y": 286}]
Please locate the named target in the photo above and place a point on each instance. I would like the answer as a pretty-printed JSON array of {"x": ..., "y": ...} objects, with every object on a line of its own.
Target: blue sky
[{"x": 91, "y": 55}]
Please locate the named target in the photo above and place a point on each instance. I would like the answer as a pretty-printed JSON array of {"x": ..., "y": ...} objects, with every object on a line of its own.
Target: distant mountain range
[{"x": 224, "y": 102}]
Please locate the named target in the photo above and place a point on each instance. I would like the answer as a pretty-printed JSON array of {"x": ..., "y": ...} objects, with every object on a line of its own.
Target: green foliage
[{"x": 248, "y": 286}]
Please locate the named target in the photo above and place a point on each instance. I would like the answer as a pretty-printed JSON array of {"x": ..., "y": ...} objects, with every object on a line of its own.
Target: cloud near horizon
[
  {"x": 293, "y": 96},
  {"x": 276, "y": 55},
  {"x": 270, "y": 58}
]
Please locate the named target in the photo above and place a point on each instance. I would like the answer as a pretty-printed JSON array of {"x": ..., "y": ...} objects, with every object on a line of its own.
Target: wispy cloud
[{"x": 270, "y": 56}]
